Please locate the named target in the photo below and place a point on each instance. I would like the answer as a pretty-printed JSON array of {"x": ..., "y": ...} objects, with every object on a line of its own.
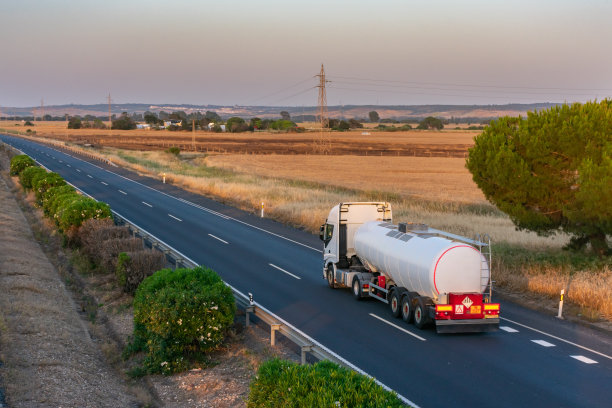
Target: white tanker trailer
[{"x": 425, "y": 275}]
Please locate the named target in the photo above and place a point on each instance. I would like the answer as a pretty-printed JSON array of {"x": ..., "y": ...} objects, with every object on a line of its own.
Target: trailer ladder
[{"x": 484, "y": 246}]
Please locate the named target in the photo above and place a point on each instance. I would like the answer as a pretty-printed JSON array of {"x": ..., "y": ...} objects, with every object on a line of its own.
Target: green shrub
[
  {"x": 48, "y": 196},
  {"x": 72, "y": 213},
  {"x": 281, "y": 383},
  {"x": 20, "y": 162},
  {"x": 133, "y": 267},
  {"x": 173, "y": 150},
  {"x": 40, "y": 184},
  {"x": 59, "y": 201},
  {"x": 178, "y": 316},
  {"x": 28, "y": 174}
]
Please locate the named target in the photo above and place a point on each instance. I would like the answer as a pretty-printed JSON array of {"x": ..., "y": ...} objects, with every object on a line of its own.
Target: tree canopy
[
  {"x": 431, "y": 123},
  {"x": 551, "y": 171},
  {"x": 124, "y": 122},
  {"x": 374, "y": 116}
]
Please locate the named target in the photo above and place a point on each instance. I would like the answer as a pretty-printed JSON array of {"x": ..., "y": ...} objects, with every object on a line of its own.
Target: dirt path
[{"x": 49, "y": 358}]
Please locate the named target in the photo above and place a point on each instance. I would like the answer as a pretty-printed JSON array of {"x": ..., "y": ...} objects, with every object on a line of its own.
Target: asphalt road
[{"x": 534, "y": 360}]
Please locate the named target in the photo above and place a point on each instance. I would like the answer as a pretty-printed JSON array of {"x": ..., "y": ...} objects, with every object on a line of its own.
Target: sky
[{"x": 269, "y": 52}]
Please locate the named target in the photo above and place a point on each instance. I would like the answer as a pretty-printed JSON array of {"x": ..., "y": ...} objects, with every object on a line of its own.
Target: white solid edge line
[
  {"x": 584, "y": 359},
  {"x": 543, "y": 343},
  {"x": 398, "y": 327},
  {"x": 147, "y": 204},
  {"x": 282, "y": 321},
  {"x": 282, "y": 270},
  {"x": 176, "y": 218},
  {"x": 218, "y": 239},
  {"x": 558, "y": 338}
]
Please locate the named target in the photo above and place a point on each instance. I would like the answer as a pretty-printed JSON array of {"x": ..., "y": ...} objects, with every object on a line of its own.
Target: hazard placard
[{"x": 458, "y": 309}]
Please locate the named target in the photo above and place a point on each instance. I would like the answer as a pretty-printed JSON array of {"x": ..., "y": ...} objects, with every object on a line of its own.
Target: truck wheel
[
  {"x": 357, "y": 288},
  {"x": 420, "y": 313},
  {"x": 330, "y": 277},
  {"x": 395, "y": 303},
  {"x": 406, "y": 308}
]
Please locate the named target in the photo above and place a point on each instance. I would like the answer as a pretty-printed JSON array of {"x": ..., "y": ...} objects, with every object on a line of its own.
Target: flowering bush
[
  {"x": 42, "y": 183},
  {"x": 178, "y": 316},
  {"x": 286, "y": 384},
  {"x": 19, "y": 163},
  {"x": 72, "y": 212},
  {"x": 28, "y": 174}
]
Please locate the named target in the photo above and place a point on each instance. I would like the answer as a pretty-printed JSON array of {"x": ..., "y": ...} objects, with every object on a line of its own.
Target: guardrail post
[
  {"x": 178, "y": 263},
  {"x": 248, "y": 311},
  {"x": 305, "y": 349},
  {"x": 273, "y": 329}
]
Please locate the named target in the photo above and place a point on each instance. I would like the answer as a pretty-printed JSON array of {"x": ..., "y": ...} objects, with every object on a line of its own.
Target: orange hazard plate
[{"x": 475, "y": 310}]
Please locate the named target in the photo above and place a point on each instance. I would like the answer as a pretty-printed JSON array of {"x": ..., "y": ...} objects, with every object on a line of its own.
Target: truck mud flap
[{"x": 467, "y": 326}]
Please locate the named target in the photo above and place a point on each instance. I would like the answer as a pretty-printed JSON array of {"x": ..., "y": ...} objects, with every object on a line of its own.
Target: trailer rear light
[
  {"x": 444, "y": 308},
  {"x": 491, "y": 306}
]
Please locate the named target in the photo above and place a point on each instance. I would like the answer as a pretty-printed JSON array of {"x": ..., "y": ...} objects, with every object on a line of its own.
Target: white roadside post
[
  {"x": 262, "y": 209},
  {"x": 164, "y": 178},
  {"x": 559, "y": 316}
]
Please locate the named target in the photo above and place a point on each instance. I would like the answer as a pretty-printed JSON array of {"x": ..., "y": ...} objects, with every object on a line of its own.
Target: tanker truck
[{"x": 426, "y": 276}]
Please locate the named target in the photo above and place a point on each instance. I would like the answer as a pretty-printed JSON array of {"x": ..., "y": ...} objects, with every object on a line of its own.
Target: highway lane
[{"x": 517, "y": 367}]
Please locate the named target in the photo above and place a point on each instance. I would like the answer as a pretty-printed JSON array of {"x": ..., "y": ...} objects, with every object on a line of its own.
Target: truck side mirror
[{"x": 322, "y": 232}]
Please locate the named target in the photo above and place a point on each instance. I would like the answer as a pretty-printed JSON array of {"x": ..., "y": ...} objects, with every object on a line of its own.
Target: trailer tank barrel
[{"x": 426, "y": 264}]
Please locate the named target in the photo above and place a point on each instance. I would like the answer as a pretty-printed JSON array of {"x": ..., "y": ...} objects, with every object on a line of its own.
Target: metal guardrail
[{"x": 307, "y": 344}]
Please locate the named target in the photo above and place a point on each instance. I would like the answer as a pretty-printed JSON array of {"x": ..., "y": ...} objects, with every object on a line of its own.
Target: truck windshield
[{"x": 329, "y": 232}]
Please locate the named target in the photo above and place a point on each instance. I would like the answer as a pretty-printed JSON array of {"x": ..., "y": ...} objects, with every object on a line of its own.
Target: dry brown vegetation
[{"x": 377, "y": 143}]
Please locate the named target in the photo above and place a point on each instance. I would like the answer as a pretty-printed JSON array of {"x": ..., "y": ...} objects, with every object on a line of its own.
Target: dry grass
[
  {"x": 588, "y": 289},
  {"x": 431, "y": 179}
]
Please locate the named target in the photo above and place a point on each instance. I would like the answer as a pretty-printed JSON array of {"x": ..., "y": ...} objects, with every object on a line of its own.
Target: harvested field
[
  {"x": 444, "y": 179},
  {"x": 356, "y": 142}
]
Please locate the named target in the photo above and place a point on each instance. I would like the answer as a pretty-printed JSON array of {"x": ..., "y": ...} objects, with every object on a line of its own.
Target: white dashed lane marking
[
  {"x": 584, "y": 359},
  {"x": 89, "y": 175},
  {"x": 176, "y": 218},
  {"x": 282, "y": 270},
  {"x": 104, "y": 183},
  {"x": 218, "y": 239},
  {"x": 122, "y": 192},
  {"x": 147, "y": 204},
  {"x": 508, "y": 329},
  {"x": 78, "y": 170},
  {"x": 543, "y": 343}
]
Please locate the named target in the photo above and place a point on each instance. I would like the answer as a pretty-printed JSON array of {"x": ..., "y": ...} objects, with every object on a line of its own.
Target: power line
[
  {"x": 382, "y": 86},
  {"x": 471, "y": 85},
  {"x": 429, "y": 93},
  {"x": 279, "y": 91}
]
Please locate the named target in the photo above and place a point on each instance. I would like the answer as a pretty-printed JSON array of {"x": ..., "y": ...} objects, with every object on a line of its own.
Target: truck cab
[{"x": 339, "y": 230}]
